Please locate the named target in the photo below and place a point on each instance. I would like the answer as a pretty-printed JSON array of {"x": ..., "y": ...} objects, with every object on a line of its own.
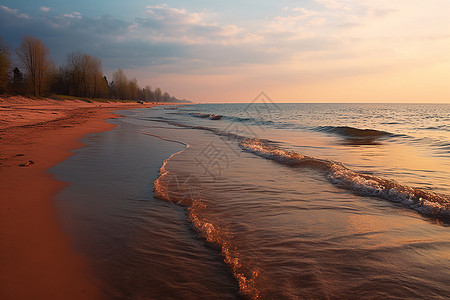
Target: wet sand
[{"x": 36, "y": 257}]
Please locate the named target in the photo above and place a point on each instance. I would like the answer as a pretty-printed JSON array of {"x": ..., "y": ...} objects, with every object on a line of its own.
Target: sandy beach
[
  {"x": 37, "y": 259},
  {"x": 153, "y": 151}
]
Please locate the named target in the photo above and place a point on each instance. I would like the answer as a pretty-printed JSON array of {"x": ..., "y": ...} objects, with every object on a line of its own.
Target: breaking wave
[
  {"x": 185, "y": 190},
  {"x": 248, "y": 119},
  {"x": 352, "y": 132},
  {"x": 426, "y": 202},
  {"x": 356, "y": 136},
  {"x": 206, "y": 116}
]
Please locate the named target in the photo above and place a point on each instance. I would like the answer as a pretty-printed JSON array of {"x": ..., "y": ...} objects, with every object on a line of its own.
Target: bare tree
[
  {"x": 158, "y": 94},
  {"x": 86, "y": 75},
  {"x": 73, "y": 71},
  {"x": 149, "y": 95},
  {"x": 133, "y": 89},
  {"x": 99, "y": 87},
  {"x": 5, "y": 64},
  {"x": 166, "y": 97},
  {"x": 35, "y": 56},
  {"x": 91, "y": 68},
  {"x": 120, "y": 84}
]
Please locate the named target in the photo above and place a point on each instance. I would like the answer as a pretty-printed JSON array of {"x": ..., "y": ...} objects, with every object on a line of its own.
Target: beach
[
  {"x": 267, "y": 201},
  {"x": 228, "y": 201},
  {"x": 37, "y": 259},
  {"x": 224, "y": 150}
]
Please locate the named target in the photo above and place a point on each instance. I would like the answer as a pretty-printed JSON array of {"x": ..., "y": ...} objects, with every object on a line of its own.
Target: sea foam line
[
  {"x": 159, "y": 189},
  {"x": 426, "y": 202},
  {"x": 244, "y": 274}
]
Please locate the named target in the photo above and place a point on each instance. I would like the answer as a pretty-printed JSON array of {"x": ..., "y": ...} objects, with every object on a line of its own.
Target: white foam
[{"x": 426, "y": 202}]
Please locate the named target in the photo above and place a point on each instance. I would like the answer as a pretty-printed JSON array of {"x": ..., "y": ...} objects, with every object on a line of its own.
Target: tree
[
  {"x": 17, "y": 82},
  {"x": 73, "y": 72},
  {"x": 85, "y": 75},
  {"x": 101, "y": 88},
  {"x": 99, "y": 85},
  {"x": 5, "y": 64},
  {"x": 109, "y": 87},
  {"x": 60, "y": 82},
  {"x": 133, "y": 89},
  {"x": 92, "y": 75},
  {"x": 158, "y": 94},
  {"x": 149, "y": 95},
  {"x": 35, "y": 56},
  {"x": 120, "y": 84},
  {"x": 166, "y": 97}
]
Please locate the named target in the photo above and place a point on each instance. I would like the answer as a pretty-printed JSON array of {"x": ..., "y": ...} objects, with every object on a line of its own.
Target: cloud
[
  {"x": 66, "y": 32},
  {"x": 13, "y": 12},
  {"x": 8, "y": 10},
  {"x": 336, "y": 4},
  {"x": 168, "y": 24},
  {"x": 74, "y": 15},
  {"x": 45, "y": 8},
  {"x": 305, "y": 12},
  {"x": 174, "y": 16},
  {"x": 327, "y": 39},
  {"x": 175, "y": 38}
]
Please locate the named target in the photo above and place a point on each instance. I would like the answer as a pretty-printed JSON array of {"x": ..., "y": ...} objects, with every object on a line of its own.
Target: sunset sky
[{"x": 229, "y": 51}]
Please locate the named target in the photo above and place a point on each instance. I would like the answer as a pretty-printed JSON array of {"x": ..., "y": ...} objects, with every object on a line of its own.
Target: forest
[{"x": 35, "y": 74}]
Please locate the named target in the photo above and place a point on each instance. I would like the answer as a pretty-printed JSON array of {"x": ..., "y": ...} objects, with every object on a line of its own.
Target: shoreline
[{"x": 36, "y": 255}]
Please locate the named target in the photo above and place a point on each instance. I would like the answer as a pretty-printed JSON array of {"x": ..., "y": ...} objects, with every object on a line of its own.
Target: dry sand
[{"x": 37, "y": 260}]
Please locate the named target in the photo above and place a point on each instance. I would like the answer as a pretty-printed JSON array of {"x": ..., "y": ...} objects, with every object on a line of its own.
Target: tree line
[{"x": 80, "y": 76}]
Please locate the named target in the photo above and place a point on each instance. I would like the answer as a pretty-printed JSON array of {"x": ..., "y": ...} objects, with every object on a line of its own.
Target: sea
[{"x": 265, "y": 200}]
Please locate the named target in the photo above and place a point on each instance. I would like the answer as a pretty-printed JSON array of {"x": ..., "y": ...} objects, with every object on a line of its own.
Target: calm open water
[{"x": 266, "y": 201}]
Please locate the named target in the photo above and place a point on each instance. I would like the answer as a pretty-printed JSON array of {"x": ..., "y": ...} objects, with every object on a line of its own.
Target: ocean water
[{"x": 266, "y": 201}]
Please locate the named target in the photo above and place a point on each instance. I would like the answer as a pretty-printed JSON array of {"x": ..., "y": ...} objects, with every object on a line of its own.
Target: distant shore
[{"x": 36, "y": 257}]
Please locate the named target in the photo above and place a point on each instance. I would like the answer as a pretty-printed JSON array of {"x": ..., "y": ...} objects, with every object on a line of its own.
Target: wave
[
  {"x": 185, "y": 190},
  {"x": 256, "y": 121},
  {"x": 426, "y": 202},
  {"x": 437, "y": 128},
  {"x": 352, "y": 135},
  {"x": 204, "y": 116},
  {"x": 352, "y": 132},
  {"x": 251, "y": 120},
  {"x": 390, "y": 123},
  {"x": 356, "y": 136}
]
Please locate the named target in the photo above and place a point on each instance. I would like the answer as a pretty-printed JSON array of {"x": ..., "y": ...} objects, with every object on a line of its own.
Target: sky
[{"x": 230, "y": 51}]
